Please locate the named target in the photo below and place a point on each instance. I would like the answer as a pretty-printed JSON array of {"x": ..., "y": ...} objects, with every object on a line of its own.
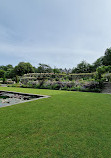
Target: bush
[
  {"x": 81, "y": 85},
  {"x": 14, "y": 85},
  {"x": 107, "y": 77},
  {"x": 57, "y": 79},
  {"x": 92, "y": 85}
]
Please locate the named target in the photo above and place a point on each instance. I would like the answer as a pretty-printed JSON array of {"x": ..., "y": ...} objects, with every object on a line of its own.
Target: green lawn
[{"x": 66, "y": 125}]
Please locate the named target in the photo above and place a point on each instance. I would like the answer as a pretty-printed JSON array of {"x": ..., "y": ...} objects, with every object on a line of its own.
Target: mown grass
[{"x": 66, "y": 125}]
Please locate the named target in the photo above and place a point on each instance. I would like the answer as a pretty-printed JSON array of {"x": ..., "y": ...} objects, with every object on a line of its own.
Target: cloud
[
  {"x": 61, "y": 57},
  {"x": 60, "y": 32}
]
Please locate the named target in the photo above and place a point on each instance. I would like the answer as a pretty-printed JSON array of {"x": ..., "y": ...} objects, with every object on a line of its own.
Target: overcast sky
[{"x": 60, "y": 33}]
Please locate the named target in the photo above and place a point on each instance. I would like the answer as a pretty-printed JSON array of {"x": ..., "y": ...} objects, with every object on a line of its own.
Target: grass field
[{"x": 66, "y": 125}]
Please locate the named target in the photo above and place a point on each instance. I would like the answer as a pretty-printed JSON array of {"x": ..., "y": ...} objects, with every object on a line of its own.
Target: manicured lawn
[{"x": 67, "y": 125}]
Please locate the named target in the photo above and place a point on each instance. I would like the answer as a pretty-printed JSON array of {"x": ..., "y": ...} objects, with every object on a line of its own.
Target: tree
[
  {"x": 2, "y": 67},
  {"x": 23, "y": 68},
  {"x": 98, "y": 63},
  {"x": 83, "y": 67},
  {"x": 44, "y": 68},
  {"x": 10, "y": 74},
  {"x": 56, "y": 70},
  {"x": 107, "y": 57},
  {"x": 2, "y": 72},
  {"x": 35, "y": 69},
  {"x": 6, "y": 68}
]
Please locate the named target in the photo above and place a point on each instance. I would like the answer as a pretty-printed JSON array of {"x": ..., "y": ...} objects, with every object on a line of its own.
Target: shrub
[
  {"x": 14, "y": 85},
  {"x": 107, "y": 77}
]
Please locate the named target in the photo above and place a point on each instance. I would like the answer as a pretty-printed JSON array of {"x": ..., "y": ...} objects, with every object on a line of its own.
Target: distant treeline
[{"x": 25, "y": 67}]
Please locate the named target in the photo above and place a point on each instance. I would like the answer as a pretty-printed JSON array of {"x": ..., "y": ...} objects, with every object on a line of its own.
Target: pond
[{"x": 8, "y": 98}]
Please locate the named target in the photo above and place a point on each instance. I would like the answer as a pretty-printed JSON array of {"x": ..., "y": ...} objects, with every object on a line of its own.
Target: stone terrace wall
[{"x": 40, "y": 76}]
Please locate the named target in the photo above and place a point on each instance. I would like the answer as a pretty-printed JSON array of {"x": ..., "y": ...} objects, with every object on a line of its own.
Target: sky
[{"x": 60, "y": 33}]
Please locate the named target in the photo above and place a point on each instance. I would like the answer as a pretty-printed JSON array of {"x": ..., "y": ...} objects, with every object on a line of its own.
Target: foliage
[
  {"x": 4, "y": 78},
  {"x": 6, "y": 68},
  {"x": 15, "y": 85},
  {"x": 82, "y": 67},
  {"x": 98, "y": 63},
  {"x": 44, "y": 68},
  {"x": 56, "y": 70},
  {"x": 107, "y": 76},
  {"x": 17, "y": 79},
  {"x": 56, "y": 77},
  {"x": 10, "y": 74},
  {"x": 23, "y": 68},
  {"x": 107, "y": 57},
  {"x": 80, "y": 85},
  {"x": 99, "y": 74},
  {"x": 2, "y": 72},
  {"x": 92, "y": 85},
  {"x": 101, "y": 70}
]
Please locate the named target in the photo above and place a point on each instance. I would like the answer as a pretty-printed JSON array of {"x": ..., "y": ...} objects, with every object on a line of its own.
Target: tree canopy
[
  {"x": 82, "y": 67},
  {"x": 107, "y": 57},
  {"x": 23, "y": 68},
  {"x": 44, "y": 68}
]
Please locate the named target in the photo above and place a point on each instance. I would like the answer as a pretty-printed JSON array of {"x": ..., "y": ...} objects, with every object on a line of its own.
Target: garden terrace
[{"x": 40, "y": 76}]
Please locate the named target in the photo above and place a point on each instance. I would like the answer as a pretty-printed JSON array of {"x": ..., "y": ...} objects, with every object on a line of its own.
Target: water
[
  {"x": 11, "y": 98},
  {"x": 4, "y": 102}
]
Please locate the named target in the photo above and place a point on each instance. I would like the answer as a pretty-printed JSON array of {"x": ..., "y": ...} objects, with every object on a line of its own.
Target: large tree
[
  {"x": 107, "y": 57},
  {"x": 2, "y": 72},
  {"x": 98, "y": 63},
  {"x": 23, "y": 68},
  {"x": 82, "y": 67},
  {"x": 6, "y": 68}
]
